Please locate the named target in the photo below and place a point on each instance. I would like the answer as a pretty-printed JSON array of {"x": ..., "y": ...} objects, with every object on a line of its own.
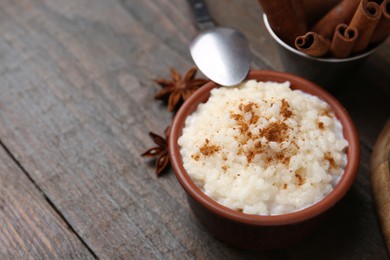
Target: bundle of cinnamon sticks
[{"x": 330, "y": 28}]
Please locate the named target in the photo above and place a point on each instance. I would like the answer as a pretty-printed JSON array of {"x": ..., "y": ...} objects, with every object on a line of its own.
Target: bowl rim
[{"x": 346, "y": 180}]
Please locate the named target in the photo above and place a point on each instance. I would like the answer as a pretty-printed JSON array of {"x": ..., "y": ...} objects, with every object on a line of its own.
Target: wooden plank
[{"x": 29, "y": 227}]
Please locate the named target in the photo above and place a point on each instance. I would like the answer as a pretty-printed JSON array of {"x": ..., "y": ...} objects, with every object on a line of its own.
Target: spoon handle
[{"x": 202, "y": 15}]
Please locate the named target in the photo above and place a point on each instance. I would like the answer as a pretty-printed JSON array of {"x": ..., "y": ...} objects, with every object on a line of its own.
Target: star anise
[
  {"x": 160, "y": 151},
  {"x": 178, "y": 88}
]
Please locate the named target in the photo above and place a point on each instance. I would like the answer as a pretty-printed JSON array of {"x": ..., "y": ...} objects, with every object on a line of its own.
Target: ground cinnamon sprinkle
[
  {"x": 258, "y": 145},
  {"x": 236, "y": 117},
  {"x": 248, "y": 107},
  {"x": 275, "y": 132},
  {"x": 284, "y": 110},
  {"x": 254, "y": 119},
  {"x": 321, "y": 125},
  {"x": 240, "y": 118},
  {"x": 207, "y": 149},
  {"x": 300, "y": 179},
  {"x": 244, "y": 127},
  {"x": 332, "y": 162},
  {"x": 196, "y": 157},
  {"x": 279, "y": 157},
  {"x": 285, "y": 186},
  {"x": 295, "y": 144},
  {"x": 250, "y": 155},
  {"x": 242, "y": 123},
  {"x": 286, "y": 160}
]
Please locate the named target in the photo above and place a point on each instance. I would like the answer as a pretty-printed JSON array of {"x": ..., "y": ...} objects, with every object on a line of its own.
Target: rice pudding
[{"x": 262, "y": 148}]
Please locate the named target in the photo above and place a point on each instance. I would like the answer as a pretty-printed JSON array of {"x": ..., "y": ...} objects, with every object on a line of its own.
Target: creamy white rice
[{"x": 262, "y": 148}]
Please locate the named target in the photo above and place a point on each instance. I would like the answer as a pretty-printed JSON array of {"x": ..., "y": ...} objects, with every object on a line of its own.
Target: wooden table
[{"x": 76, "y": 106}]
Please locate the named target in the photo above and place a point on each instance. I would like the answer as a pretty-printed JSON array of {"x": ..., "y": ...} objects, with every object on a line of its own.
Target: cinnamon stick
[
  {"x": 312, "y": 44},
  {"x": 383, "y": 27},
  {"x": 286, "y": 18},
  {"x": 343, "y": 41},
  {"x": 341, "y": 13},
  {"x": 365, "y": 19}
]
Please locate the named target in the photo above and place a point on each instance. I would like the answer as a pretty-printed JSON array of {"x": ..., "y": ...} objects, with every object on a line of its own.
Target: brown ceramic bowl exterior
[{"x": 254, "y": 231}]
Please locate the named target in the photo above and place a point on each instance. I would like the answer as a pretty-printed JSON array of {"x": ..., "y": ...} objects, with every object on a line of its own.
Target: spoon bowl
[{"x": 222, "y": 55}]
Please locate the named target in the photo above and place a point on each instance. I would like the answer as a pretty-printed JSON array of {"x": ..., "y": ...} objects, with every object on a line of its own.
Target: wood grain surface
[
  {"x": 76, "y": 106},
  {"x": 29, "y": 226}
]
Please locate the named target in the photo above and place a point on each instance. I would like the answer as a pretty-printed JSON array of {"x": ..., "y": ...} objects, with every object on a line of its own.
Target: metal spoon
[{"x": 222, "y": 54}]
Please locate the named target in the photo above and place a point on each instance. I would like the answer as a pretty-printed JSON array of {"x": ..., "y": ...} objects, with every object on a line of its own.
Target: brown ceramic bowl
[{"x": 254, "y": 231}]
